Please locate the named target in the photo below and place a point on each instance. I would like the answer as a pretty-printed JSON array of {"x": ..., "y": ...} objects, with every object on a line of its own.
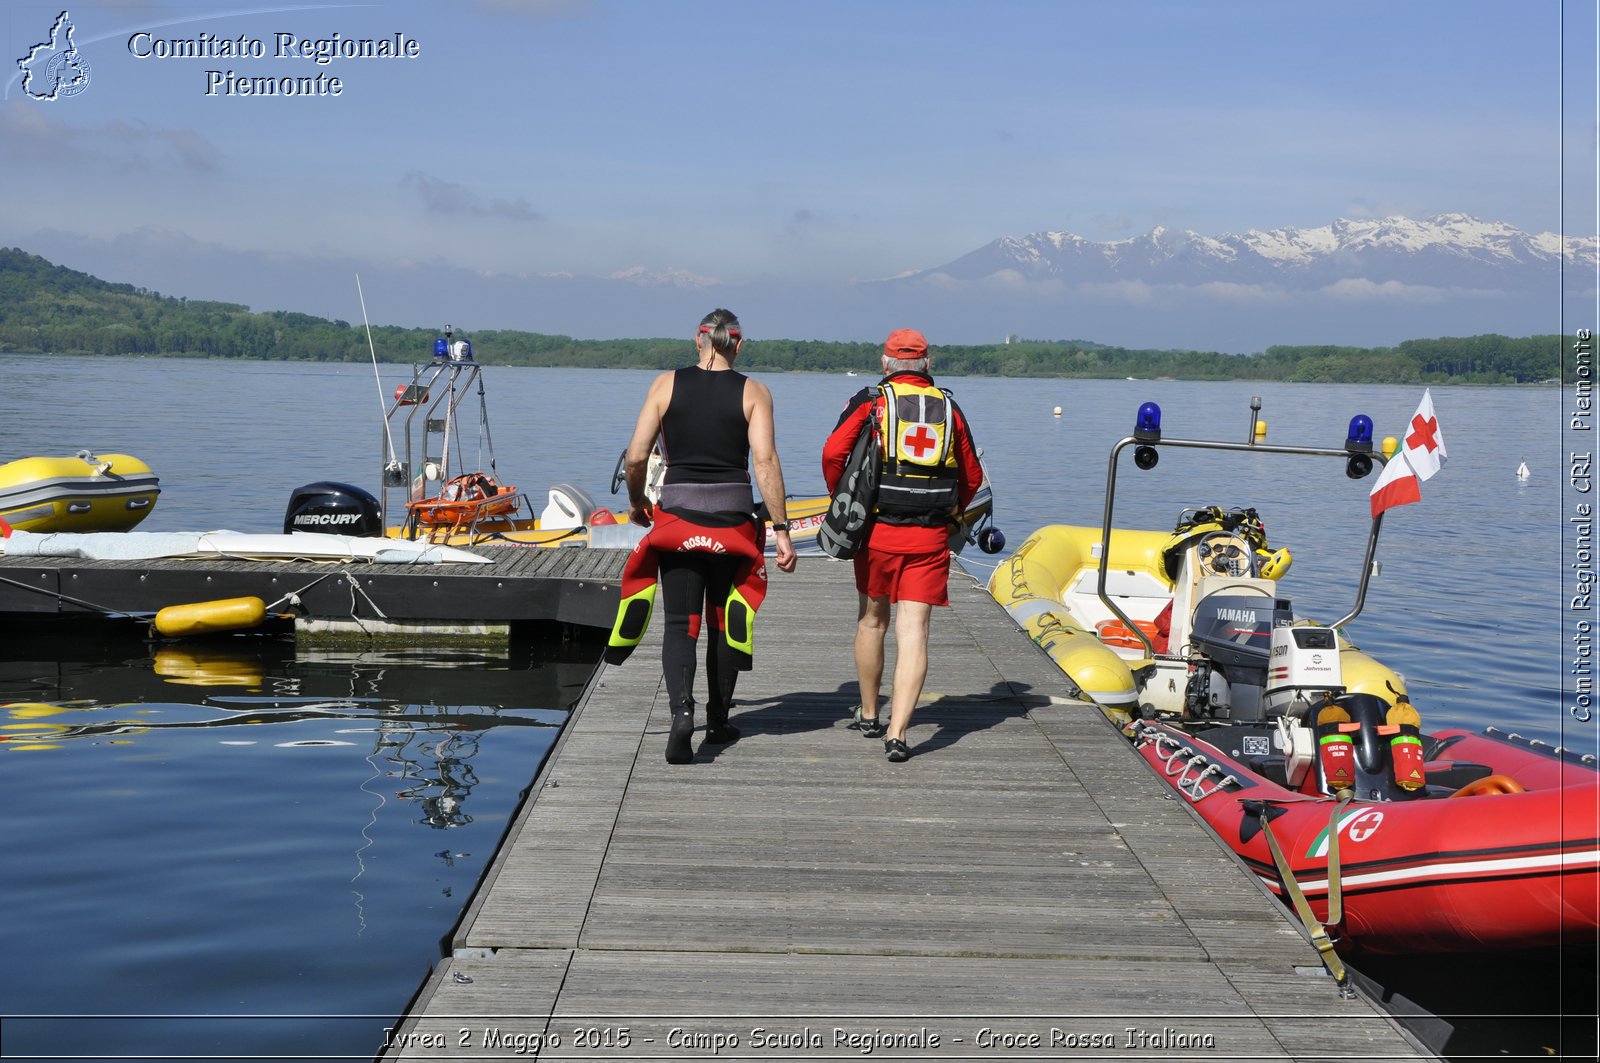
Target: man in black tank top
[{"x": 711, "y": 423}]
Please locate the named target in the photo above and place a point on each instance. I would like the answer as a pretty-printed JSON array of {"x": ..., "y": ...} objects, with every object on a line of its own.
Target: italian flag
[{"x": 1422, "y": 455}]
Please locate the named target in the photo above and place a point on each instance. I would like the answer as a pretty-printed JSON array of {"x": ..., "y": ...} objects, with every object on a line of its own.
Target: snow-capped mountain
[{"x": 1445, "y": 251}]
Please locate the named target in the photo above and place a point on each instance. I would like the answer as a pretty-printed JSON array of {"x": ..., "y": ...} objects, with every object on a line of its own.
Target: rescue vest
[{"x": 920, "y": 482}]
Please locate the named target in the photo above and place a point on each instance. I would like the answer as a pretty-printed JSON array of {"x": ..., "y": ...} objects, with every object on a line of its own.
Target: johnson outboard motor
[{"x": 333, "y": 508}]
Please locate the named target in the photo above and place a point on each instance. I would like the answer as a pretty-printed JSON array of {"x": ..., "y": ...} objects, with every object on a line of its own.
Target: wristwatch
[{"x": 780, "y": 525}]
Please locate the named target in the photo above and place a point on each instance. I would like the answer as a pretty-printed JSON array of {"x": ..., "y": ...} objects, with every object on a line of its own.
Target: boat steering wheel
[
  {"x": 1225, "y": 554},
  {"x": 620, "y": 473}
]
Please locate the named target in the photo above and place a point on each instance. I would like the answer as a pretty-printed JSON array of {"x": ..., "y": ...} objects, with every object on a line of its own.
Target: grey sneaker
[{"x": 870, "y": 726}]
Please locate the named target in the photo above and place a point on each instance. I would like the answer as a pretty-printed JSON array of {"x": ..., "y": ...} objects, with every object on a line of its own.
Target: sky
[{"x": 683, "y": 145}]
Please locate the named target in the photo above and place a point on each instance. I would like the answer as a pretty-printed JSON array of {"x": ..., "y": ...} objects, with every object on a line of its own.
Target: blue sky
[{"x": 814, "y": 142}]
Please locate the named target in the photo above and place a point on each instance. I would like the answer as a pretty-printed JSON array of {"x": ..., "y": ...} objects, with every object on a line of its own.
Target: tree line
[{"x": 49, "y": 309}]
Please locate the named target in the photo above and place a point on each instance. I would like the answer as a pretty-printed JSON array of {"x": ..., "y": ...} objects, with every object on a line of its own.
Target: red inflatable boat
[{"x": 1497, "y": 849}]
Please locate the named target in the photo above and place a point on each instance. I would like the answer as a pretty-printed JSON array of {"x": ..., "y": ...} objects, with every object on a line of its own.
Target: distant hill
[{"x": 45, "y": 308}]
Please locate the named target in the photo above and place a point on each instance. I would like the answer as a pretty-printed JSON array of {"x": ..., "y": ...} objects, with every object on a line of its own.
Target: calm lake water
[{"x": 260, "y": 849}]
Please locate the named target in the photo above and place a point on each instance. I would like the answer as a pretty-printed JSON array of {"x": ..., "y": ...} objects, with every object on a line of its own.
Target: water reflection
[
  {"x": 284, "y": 826},
  {"x": 423, "y": 744}
]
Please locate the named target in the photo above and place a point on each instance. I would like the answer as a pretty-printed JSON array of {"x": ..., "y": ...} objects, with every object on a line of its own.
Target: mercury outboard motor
[{"x": 333, "y": 508}]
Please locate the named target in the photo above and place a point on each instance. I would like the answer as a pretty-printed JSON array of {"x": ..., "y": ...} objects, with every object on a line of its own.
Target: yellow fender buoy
[{"x": 204, "y": 618}]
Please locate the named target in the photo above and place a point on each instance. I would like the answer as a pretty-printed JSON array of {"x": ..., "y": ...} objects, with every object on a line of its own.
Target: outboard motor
[
  {"x": 1233, "y": 635},
  {"x": 1305, "y": 670},
  {"x": 333, "y": 508}
]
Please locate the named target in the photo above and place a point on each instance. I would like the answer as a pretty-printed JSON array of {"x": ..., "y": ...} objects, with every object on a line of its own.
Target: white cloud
[
  {"x": 31, "y": 134},
  {"x": 1225, "y": 291},
  {"x": 450, "y": 197},
  {"x": 1120, "y": 291},
  {"x": 1359, "y": 289}
]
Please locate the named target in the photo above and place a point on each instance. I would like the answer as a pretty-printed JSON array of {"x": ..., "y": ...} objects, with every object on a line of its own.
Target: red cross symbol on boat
[
  {"x": 919, "y": 441},
  {"x": 1424, "y": 434}
]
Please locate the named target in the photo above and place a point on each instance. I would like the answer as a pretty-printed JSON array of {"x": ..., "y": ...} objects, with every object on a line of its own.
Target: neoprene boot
[
  {"x": 679, "y": 750},
  {"x": 719, "y": 732}
]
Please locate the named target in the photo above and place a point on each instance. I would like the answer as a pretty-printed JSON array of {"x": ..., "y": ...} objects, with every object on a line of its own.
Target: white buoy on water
[
  {"x": 1522, "y": 471},
  {"x": 1057, "y": 411}
]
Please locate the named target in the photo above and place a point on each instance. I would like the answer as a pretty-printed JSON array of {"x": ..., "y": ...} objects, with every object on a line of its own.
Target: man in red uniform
[{"x": 929, "y": 474}]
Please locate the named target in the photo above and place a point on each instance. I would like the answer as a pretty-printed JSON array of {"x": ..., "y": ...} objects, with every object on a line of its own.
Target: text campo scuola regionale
[
  {"x": 1580, "y": 478},
  {"x": 280, "y": 46},
  {"x": 867, "y": 1042}
]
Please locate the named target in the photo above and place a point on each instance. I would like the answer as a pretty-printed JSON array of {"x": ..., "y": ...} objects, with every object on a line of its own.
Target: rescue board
[{"x": 297, "y": 546}]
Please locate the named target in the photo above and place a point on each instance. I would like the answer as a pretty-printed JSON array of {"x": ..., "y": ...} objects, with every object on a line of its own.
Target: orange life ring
[{"x": 1490, "y": 784}]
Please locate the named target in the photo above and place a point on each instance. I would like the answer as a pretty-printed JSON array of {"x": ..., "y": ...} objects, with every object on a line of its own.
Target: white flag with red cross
[{"x": 1421, "y": 454}]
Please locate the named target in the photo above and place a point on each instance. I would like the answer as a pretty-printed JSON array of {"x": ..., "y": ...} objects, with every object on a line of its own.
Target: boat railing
[
  {"x": 1357, "y": 453},
  {"x": 428, "y": 450}
]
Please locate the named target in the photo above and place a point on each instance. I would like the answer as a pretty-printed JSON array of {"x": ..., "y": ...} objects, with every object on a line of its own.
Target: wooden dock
[
  {"x": 569, "y": 584},
  {"x": 1022, "y": 888}
]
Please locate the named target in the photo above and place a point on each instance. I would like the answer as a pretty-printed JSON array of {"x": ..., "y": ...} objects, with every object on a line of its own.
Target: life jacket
[{"x": 920, "y": 482}]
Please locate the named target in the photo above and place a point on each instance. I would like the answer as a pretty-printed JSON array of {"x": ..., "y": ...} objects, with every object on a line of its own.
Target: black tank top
[{"x": 704, "y": 431}]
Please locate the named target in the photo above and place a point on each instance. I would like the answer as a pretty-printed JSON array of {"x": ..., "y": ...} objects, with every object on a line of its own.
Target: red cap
[{"x": 905, "y": 343}]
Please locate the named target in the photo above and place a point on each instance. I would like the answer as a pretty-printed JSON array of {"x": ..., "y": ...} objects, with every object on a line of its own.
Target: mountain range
[
  {"x": 1368, "y": 283},
  {"x": 1445, "y": 251}
]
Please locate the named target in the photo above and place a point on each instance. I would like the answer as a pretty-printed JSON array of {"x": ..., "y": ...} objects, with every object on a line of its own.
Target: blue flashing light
[
  {"x": 1360, "y": 437},
  {"x": 441, "y": 348},
  {"x": 1147, "y": 426}
]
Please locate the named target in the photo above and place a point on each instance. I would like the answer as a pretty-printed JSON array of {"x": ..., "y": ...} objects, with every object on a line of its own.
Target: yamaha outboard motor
[
  {"x": 1233, "y": 632},
  {"x": 333, "y": 508}
]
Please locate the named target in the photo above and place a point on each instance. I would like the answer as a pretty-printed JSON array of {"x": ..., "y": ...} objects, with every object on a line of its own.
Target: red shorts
[{"x": 911, "y": 577}]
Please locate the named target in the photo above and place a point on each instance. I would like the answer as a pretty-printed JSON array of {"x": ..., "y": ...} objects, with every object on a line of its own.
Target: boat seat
[
  {"x": 1140, "y": 595},
  {"x": 1121, "y": 583}
]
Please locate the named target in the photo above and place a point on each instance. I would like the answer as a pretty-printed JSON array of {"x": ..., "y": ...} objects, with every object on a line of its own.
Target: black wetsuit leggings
[{"x": 697, "y": 583}]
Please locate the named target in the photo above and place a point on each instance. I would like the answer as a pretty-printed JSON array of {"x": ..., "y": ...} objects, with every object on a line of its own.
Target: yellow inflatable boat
[
  {"x": 85, "y": 493},
  {"x": 1211, "y": 582}
]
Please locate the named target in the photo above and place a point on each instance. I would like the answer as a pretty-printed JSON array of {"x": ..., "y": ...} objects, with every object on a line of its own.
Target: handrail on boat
[{"x": 1213, "y": 444}]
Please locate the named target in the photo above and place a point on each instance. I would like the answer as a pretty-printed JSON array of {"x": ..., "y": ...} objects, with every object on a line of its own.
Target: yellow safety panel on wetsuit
[
  {"x": 738, "y": 623},
  {"x": 633, "y": 618}
]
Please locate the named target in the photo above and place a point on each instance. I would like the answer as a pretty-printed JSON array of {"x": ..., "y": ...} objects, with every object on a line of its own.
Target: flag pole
[{"x": 1366, "y": 573}]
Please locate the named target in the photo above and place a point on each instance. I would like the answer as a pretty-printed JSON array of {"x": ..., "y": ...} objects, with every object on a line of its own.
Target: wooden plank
[{"x": 1023, "y": 872}]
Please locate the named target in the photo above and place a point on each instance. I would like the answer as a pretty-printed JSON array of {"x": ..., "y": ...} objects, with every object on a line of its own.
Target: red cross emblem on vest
[{"x": 920, "y": 441}]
